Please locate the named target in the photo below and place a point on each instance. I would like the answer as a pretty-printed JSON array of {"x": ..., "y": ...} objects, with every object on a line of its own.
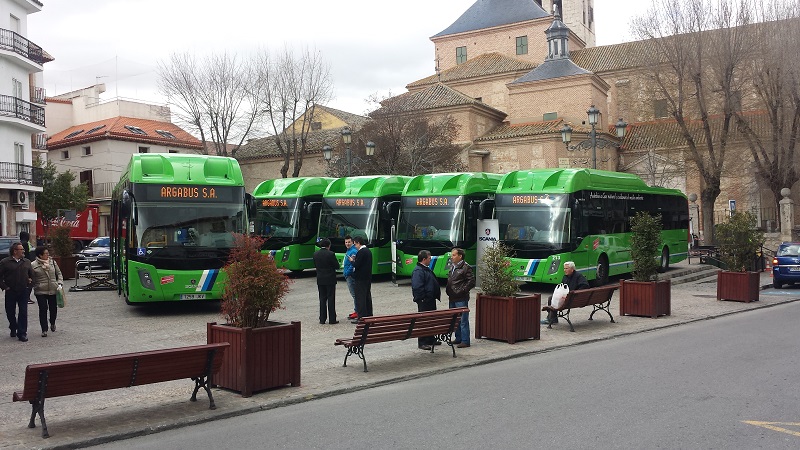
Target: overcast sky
[{"x": 371, "y": 46}]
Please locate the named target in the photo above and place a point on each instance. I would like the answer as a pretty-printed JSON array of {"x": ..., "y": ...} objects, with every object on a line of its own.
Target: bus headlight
[
  {"x": 144, "y": 278},
  {"x": 555, "y": 264},
  {"x": 286, "y": 255}
]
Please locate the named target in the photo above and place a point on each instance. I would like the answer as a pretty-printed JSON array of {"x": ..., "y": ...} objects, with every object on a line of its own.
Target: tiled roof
[
  {"x": 57, "y": 100},
  {"x": 552, "y": 68},
  {"x": 615, "y": 57},
  {"x": 115, "y": 129},
  {"x": 492, "y": 13},
  {"x": 436, "y": 96},
  {"x": 666, "y": 133},
  {"x": 508, "y": 131},
  {"x": 484, "y": 65},
  {"x": 267, "y": 148}
]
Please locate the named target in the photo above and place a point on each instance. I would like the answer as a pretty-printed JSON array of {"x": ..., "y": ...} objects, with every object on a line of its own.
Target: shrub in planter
[
  {"x": 499, "y": 312},
  {"x": 738, "y": 241},
  {"x": 62, "y": 246},
  {"x": 645, "y": 296},
  {"x": 263, "y": 354}
]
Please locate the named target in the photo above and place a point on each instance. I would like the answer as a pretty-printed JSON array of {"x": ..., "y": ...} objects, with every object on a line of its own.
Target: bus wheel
[
  {"x": 664, "y": 260},
  {"x": 601, "y": 276}
]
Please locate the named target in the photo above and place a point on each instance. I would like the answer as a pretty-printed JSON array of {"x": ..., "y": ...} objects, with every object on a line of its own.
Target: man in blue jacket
[
  {"x": 426, "y": 291},
  {"x": 348, "y": 273}
]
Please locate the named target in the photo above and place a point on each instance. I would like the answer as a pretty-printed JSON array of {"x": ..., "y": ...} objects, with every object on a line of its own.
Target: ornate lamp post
[
  {"x": 347, "y": 138},
  {"x": 593, "y": 142}
]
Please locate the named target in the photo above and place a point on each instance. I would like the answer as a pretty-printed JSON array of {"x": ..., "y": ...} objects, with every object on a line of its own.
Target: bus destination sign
[
  {"x": 350, "y": 202},
  {"x": 527, "y": 199},
  {"x": 274, "y": 203},
  {"x": 190, "y": 193},
  {"x": 432, "y": 201}
]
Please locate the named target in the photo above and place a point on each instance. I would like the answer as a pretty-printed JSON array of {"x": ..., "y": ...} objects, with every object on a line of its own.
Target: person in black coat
[
  {"x": 426, "y": 291},
  {"x": 326, "y": 263},
  {"x": 362, "y": 274},
  {"x": 574, "y": 280},
  {"x": 16, "y": 279}
]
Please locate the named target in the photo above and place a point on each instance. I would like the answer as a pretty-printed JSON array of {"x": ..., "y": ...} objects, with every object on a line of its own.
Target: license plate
[
  {"x": 193, "y": 296},
  {"x": 91, "y": 259},
  {"x": 794, "y": 269}
]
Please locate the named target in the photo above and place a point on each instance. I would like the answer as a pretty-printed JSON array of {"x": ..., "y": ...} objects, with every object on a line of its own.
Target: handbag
[
  {"x": 559, "y": 296},
  {"x": 61, "y": 297}
]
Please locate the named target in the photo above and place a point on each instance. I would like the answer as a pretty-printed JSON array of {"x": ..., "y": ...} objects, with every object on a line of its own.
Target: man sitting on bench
[{"x": 574, "y": 280}]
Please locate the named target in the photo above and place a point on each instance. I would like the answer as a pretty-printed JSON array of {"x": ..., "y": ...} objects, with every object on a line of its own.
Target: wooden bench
[
  {"x": 399, "y": 327},
  {"x": 102, "y": 373},
  {"x": 599, "y": 298}
]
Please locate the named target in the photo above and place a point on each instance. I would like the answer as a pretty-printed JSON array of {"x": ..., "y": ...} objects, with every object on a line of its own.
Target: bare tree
[
  {"x": 216, "y": 97},
  {"x": 408, "y": 141},
  {"x": 699, "y": 52},
  {"x": 776, "y": 85},
  {"x": 291, "y": 88}
]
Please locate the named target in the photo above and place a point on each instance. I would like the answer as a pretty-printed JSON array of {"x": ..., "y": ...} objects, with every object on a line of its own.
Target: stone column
[{"x": 787, "y": 215}]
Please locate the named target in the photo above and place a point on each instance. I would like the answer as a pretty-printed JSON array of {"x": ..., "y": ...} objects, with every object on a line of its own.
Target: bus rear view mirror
[
  {"x": 312, "y": 209},
  {"x": 392, "y": 209},
  {"x": 486, "y": 209}
]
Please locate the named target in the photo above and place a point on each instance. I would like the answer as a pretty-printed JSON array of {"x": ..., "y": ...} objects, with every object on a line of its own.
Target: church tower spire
[{"x": 557, "y": 37}]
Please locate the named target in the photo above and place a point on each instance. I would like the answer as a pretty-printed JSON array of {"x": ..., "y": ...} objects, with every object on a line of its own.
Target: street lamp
[
  {"x": 593, "y": 142},
  {"x": 347, "y": 138}
]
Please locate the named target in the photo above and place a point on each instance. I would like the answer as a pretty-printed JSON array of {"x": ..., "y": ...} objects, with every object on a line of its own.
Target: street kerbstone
[{"x": 100, "y": 323}]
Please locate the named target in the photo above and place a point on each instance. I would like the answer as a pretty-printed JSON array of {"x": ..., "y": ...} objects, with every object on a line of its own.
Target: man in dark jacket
[
  {"x": 16, "y": 277},
  {"x": 425, "y": 289},
  {"x": 326, "y": 263},
  {"x": 574, "y": 281},
  {"x": 460, "y": 281},
  {"x": 362, "y": 274},
  {"x": 24, "y": 238}
]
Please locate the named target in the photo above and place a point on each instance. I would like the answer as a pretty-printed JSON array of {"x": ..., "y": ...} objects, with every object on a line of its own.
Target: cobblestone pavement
[{"x": 100, "y": 323}]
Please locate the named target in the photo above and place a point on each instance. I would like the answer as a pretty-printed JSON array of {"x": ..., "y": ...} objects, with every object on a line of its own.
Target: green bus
[
  {"x": 287, "y": 215},
  {"x": 362, "y": 206},
  {"x": 173, "y": 218},
  {"x": 549, "y": 216},
  {"x": 439, "y": 212}
]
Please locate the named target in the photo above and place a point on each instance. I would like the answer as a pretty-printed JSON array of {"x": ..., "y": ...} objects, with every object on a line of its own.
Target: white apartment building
[{"x": 22, "y": 116}]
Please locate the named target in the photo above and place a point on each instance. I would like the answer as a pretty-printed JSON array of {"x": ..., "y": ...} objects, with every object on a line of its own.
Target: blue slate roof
[
  {"x": 552, "y": 68},
  {"x": 491, "y": 13}
]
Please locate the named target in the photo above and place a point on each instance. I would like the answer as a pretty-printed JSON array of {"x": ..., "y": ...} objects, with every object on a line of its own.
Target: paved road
[
  {"x": 99, "y": 323},
  {"x": 706, "y": 385}
]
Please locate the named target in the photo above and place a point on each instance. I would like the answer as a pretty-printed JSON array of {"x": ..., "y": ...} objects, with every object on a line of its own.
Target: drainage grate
[{"x": 705, "y": 295}]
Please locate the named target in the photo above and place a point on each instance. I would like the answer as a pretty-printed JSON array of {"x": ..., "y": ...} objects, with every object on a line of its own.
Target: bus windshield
[
  {"x": 534, "y": 225},
  {"x": 431, "y": 220},
  {"x": 353, "y": 216},
  {"x": 278, "y": 220},
  {"x": 177, "y": 231}
]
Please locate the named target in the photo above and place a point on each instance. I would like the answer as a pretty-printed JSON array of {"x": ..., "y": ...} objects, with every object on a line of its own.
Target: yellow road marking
[{"x": 772, "y": 426}]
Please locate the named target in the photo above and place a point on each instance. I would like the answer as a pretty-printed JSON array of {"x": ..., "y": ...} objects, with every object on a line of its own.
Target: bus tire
[
  {"x": 664, "y": 265},
  {"x": 601, "y": 274}
]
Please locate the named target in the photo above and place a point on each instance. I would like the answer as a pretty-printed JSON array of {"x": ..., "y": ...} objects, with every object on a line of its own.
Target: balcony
[
  {"x": 39, "y": 141},
  {"x": 14, "y": 173},
  {"x": 99, "y": 191},
  {"x": 38, "y": 95},
  {"x": 20, "y": 45},
  {"x": 16, "y": 107}
]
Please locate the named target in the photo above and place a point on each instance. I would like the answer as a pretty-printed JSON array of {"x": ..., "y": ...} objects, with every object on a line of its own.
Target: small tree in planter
[
  {"x": 263, "y": 354},
  {"x": 62, "y": 246},
  {"x": 499, "y": 312},
  {"x": 738, "y": 241},
  {"x": 645, "y": 296}
]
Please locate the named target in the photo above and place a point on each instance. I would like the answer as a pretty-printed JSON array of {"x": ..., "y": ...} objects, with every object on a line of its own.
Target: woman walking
[{"x": 46, "y": 280}]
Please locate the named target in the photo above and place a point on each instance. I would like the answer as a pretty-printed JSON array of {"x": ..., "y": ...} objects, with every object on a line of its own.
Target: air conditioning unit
[{"x": 21, "y": 198}]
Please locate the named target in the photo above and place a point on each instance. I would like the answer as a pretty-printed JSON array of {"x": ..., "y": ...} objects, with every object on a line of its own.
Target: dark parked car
[
  {"x": 5, "y": 245},
  {"x": 96, "y": 255},
  {"x": 786, "y": 264}
]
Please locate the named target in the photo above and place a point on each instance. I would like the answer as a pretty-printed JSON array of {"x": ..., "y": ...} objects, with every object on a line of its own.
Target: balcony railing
[
  {"x": 102, "y": 190},
  {"x": 39, "y": 141},
  {"x": 38, "y": 95},
  {"x": 20, "y": 174},
  {"x": 19, "y": 108},
  {"x": 16, "y": 43}
]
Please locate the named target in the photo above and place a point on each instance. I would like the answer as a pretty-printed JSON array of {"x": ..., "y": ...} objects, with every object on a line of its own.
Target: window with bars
[
  {"x": 522, "y": 45},
  {"x": 461, "y": 55},
  {"x": 660, "y": 109}
]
